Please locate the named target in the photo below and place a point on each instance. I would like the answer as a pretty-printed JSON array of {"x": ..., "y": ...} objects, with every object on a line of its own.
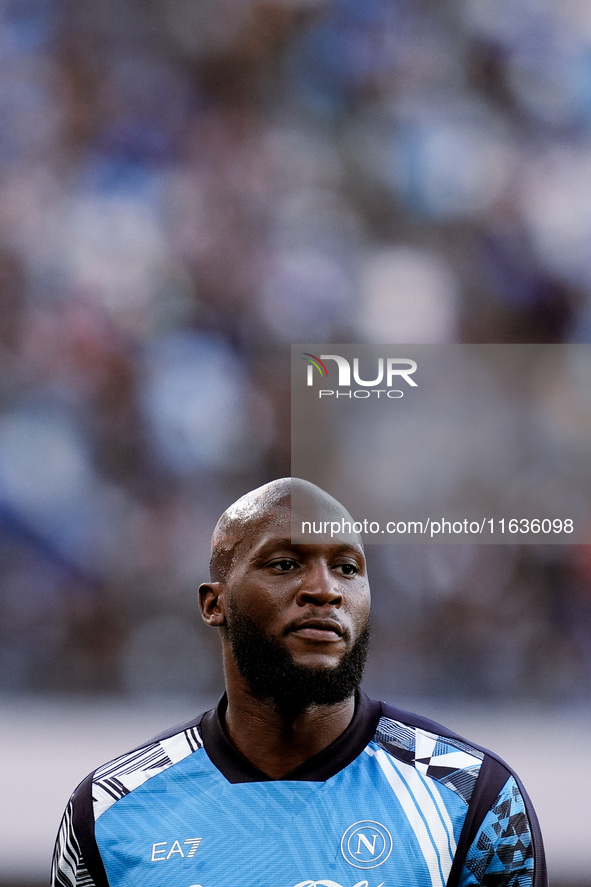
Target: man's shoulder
[
  {"x": 406, "y": 725},
  {"x": 440, "y": 753},
  {"x": 122, "y": 774}
]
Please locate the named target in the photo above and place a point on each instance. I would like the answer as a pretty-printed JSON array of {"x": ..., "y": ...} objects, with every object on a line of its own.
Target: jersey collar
[{"x": 236, "y": 768}]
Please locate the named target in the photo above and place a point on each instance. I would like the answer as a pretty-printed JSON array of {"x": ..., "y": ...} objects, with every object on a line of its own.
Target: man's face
[{"x": 297, "y": 617}]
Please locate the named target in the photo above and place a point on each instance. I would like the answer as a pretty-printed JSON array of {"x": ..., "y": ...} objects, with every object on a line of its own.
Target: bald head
[{"x": 250, "y": 514}]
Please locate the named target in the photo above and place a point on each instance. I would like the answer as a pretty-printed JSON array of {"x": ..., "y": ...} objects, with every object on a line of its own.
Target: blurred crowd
[{"x": 188, "y": 187}]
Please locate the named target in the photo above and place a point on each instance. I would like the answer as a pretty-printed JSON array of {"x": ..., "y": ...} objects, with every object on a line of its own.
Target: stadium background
[{"x": 186, "y": 188}]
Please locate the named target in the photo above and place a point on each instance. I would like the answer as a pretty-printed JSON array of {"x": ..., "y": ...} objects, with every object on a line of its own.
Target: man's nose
[{"x": 320, "y": 586}]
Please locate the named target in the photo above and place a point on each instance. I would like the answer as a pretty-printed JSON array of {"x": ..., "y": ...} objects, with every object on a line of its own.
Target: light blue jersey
[{"x": 395, "y": 801}]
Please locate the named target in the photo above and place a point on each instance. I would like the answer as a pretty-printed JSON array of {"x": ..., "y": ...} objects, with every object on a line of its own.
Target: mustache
[{"x": 319, "y": 620}]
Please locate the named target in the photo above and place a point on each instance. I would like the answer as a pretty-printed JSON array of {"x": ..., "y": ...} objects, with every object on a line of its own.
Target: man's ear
[{"x": 212, "y": 603}]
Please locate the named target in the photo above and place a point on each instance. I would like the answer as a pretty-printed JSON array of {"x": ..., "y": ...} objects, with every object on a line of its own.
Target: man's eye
[
  {"x": 347, "y": 569},
  {"x": 284, "y": 565}
]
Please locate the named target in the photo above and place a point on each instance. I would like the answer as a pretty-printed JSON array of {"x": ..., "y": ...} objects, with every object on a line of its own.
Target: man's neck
[{"x": 276, "y": 739}]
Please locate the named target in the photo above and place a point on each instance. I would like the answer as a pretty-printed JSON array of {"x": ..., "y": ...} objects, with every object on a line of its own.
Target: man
[{"x": 297, "y": 779}]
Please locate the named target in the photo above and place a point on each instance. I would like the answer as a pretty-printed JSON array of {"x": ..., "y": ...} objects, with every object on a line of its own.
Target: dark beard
[{"x": 271, "y": 672}]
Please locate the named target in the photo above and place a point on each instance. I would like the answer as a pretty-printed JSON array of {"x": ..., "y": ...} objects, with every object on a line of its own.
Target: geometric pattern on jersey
[
  {"x": 449, "y": 761},
  {"x": 425, "y": 811},
  {"x": 124, "y": 774},
  {"x": 68, "y": 867},
  {"x": 502, "y": 845}
]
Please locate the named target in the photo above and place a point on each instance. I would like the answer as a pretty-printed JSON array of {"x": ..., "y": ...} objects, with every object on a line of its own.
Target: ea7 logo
[{"x": 163, "y": 850}]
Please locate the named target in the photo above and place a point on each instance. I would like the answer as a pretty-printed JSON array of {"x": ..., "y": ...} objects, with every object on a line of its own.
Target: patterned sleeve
[
  {"x": 68, "y": 868},
  {"x": 502, "y": 853}
]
